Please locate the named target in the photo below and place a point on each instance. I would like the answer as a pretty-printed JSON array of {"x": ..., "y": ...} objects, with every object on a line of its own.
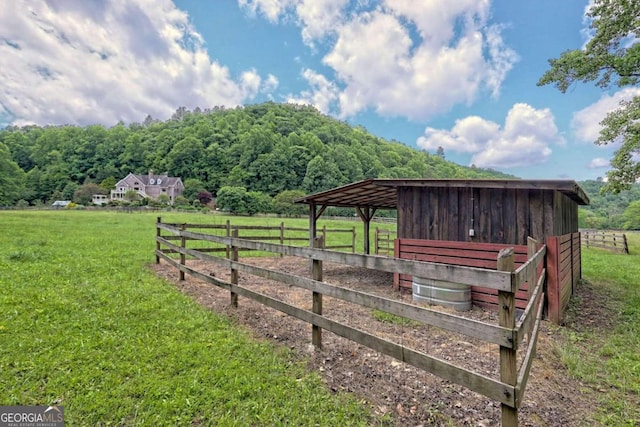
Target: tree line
[{"x": 253, "y": 153}]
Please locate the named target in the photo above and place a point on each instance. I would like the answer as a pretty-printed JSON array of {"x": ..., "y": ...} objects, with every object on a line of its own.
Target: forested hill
[
  {"x": 608, "y": 210},
  {"x": 265, "y": 148}
]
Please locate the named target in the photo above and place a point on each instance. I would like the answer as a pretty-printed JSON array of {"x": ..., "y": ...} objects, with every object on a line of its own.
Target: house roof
[
  {"x": 382, "y": 193},
  {"x": 152, "y": 179}
]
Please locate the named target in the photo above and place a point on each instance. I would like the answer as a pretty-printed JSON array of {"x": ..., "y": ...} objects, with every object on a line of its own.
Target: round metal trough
[{"x": 438, "y": 292}]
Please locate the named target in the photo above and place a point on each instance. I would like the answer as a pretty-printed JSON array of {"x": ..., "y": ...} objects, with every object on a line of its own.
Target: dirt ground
[{"x": 409, "y": 395}]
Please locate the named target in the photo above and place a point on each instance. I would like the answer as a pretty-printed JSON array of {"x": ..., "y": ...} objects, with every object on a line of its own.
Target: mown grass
[
  {"x": 604, "y": 354},
  {"x": 84, "y": 324}
]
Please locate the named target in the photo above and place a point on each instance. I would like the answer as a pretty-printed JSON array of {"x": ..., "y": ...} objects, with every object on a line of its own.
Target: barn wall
[{"x": 506, "y": 216}]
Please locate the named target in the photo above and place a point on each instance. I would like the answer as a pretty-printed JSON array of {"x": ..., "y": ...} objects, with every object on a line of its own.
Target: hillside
[
  {"x": 608, "y": 210},
  {"x": 266, "y": 148}
]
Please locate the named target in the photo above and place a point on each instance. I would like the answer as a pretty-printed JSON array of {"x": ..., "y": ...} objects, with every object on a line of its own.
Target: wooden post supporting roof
[
  {"x": 366, "y": 217},
  {"x": 313, "y": 221}
]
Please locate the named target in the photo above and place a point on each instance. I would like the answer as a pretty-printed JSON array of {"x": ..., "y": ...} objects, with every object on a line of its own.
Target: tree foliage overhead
[
  {"x": 266, "y": 148},
  {"x": 610, "y": 58}
]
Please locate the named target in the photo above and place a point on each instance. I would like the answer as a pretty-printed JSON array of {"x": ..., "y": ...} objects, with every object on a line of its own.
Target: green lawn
[
  {"x": 84, "y": 324},
  {"x": 604, "y": 354}
]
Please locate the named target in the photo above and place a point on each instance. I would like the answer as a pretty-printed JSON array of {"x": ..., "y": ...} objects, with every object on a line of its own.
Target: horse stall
[{"x": 466, "y": 222}]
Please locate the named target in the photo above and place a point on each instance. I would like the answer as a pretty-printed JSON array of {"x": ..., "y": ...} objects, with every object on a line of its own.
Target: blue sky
[{"x": 457, "y": 74}]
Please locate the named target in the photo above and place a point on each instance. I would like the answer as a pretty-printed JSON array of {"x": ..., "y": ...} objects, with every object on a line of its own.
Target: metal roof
[{"x": 382, "y": 193}]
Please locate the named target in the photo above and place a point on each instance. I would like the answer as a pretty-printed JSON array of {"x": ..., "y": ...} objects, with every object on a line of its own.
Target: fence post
[
  {"x": 316, "y": 331},
  {"x": 376, "y": 241},
  {"x": 626, "y": 245},
  {"x": 324, "y": 237},
  {"x": 158, "y": 221},
  {"x": 282, "y": 236},
  {"x": 183, "y": 245},
  {"x": 532, "y": 247},
  {"x": 353, "y": 240},
  {"x": 228, "y": 235},
  {"x": 507, "y": 319},
  {"x": 234, "y": 272}
]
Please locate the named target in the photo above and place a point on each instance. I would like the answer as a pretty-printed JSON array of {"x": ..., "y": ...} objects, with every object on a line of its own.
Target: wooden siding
[
  {"x": 564, "y": 271},
  {"x": 497, "y": 215},
  {"x": 480, "y": 255}
]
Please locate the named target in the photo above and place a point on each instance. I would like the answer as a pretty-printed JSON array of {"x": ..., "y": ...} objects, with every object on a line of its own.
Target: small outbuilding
[{"x": 477, "y": 217}]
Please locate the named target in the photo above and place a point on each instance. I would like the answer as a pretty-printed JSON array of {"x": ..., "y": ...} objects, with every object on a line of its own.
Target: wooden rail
[
  {"x": 509, "y": 389},
  {"x": 611, "y": 240},
  {"x": 280, "y": 234},
  {"x": 383, "y": 241}
]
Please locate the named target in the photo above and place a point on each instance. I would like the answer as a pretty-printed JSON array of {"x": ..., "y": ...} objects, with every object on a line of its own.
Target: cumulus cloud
[
  {"x": 586, "y": 122},
  {"x": 90, "y": 61},
  {"x": 599, "y": 163},
  {"x": 524, "y": 140},
  {"x": 322, "y": 94},
  {"x": 401, "y": 57}
]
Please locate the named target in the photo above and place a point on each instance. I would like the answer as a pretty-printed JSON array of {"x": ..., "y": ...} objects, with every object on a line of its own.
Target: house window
[
  {"x": 136, "y": 188},
  {"x": 136, "y": 183},
  {"x": 164, "y": 190}
]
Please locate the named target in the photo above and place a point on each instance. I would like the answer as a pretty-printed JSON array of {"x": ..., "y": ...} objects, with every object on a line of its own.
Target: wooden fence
[
  {"x": 508, "y": 334},
  {"x": 468, "y": 254},
  {"x": 280, "y": 234},
  {"x": 383, "y": 241},
  {"x": 611, "y": 240},
  {"x": 563, "y": 272}
]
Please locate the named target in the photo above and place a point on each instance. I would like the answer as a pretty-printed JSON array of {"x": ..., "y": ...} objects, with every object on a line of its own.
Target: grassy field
[
  {"x": 84, "y": 324},
  {"x": 602, "y": 344}
]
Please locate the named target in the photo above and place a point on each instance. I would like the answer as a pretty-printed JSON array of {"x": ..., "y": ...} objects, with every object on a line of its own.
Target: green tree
[
  {"x": 163, "y": 200},
  {"x": 283, "y": 203},
  {"x": 11, "y": 178},
  {"x": 321, "y": 175},
  {"x": 84, "y": 193},
  {"x": 632, "y": 216},
  {"x": 610, "y": 58},
  {"x": 192, "y": 187},
  {"x": 232, "y": 199},
  {"x": 131, "y": 196}
]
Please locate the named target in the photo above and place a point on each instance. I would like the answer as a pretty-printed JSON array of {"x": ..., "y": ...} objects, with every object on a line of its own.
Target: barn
[{"x": 468, "y": 221}]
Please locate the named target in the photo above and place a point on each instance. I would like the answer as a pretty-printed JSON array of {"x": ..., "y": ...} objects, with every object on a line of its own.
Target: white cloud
[
  {"x": 90, "y": 61},
  {"x": 599, "y": 163},
  {"x": 383, "y": 67},
  {"x": 524, "y": 140},
  {"x": 322, "y": 95},
  {"x": 271, "y": 9},
  {"x": 318, "y": 17},
  {"x": 401, "y": 57},
  {"x": 586, "y": 122}
]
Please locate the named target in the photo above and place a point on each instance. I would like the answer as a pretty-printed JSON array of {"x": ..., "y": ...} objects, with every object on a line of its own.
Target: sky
[{"x": 456, "y": 74}]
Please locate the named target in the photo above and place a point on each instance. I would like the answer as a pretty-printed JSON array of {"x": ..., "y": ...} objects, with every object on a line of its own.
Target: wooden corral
[
  {"x": 462, "y": 215},
  {"x": 509, "y": 333}
]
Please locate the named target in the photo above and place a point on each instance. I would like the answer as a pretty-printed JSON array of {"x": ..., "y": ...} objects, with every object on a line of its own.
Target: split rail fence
[
  {"x": 509, "y": 334},
  {"x": 278, "y": 233},
  {"x": 611, "y": 240}
]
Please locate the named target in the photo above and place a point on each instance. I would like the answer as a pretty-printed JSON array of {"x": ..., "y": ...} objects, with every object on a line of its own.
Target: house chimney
[{"x": 150, "y": 173}]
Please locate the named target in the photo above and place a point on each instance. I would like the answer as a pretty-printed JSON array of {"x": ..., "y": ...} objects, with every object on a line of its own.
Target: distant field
[{"x": 84, "y": 324}]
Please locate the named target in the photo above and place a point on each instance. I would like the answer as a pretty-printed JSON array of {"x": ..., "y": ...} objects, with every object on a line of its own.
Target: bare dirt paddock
[{"x": 411, "y": 396}]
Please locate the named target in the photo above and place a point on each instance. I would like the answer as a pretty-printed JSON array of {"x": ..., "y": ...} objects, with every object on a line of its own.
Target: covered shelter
[
  {"x": 467, "y": 210},
  {"x": 478, "y": 215}
]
